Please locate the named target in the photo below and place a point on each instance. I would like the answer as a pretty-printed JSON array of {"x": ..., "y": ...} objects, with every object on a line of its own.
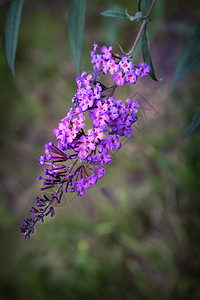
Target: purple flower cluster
[
  {"x": 122, "y": 69},
  {"x": 78, "y": 160}
]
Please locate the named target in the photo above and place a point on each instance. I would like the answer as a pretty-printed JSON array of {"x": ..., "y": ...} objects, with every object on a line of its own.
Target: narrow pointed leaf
[
  {"x": 139, "y": 5},
  {"x": 114, "y": 14},
  {"x": 194, "y": 124},
  {"x": 147, "y": 54},
  {"x": 12, "y": 30},
  {"x": 76, "y": 29},
  {"x": 190, "y": 57}
]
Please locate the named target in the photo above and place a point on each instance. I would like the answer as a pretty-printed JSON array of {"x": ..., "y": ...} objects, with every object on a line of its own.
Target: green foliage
[
  {"x": 11, "y": 31},
  {"x": 143, "y": 8},
  {"x": 139, "y": 5},
  {"x": 76, "y": 29},
  {"x": 115, "y": 14},
  {"x": 121, "y": 15},
  {"x": 136, "y": 17},
  {"x": 194, "y": 124},
  {"x": 188, "y": 61},
  {"x": 190, "y": 57},
  {"x": 146, "y": 53}
]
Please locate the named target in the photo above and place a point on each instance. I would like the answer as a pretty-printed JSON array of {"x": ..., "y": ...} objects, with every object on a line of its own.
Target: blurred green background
[{"x": 135, "y": 235}]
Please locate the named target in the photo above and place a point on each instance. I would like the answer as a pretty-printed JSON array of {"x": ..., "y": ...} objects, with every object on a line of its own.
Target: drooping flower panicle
[{"x": 78, "y": 160}]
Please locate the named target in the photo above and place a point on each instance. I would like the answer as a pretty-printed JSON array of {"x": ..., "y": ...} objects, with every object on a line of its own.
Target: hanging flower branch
[{"x": 78, "y": 160}]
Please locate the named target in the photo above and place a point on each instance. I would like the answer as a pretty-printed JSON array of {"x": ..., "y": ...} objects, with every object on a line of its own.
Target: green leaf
[
  {"x": 137, "y": 16},
  {"x": 190, "y": 57},
  {"x": 139, "y": 5},
  {"x": 12, "y": 30},
  {"x": 147, "y": 54},
  {"x": 76, "y": 29},
  {"x": 120, "y": 14},
  {"x": 114, "y": 14},
  {"x": 194, "y": 124}
]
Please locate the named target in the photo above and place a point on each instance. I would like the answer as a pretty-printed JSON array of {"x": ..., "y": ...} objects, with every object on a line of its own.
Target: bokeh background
[{"x": 136, "y": 234}]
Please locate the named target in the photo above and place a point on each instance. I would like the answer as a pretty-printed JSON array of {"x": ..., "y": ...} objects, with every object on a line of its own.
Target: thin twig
[{"x": 142, "y": 27}]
